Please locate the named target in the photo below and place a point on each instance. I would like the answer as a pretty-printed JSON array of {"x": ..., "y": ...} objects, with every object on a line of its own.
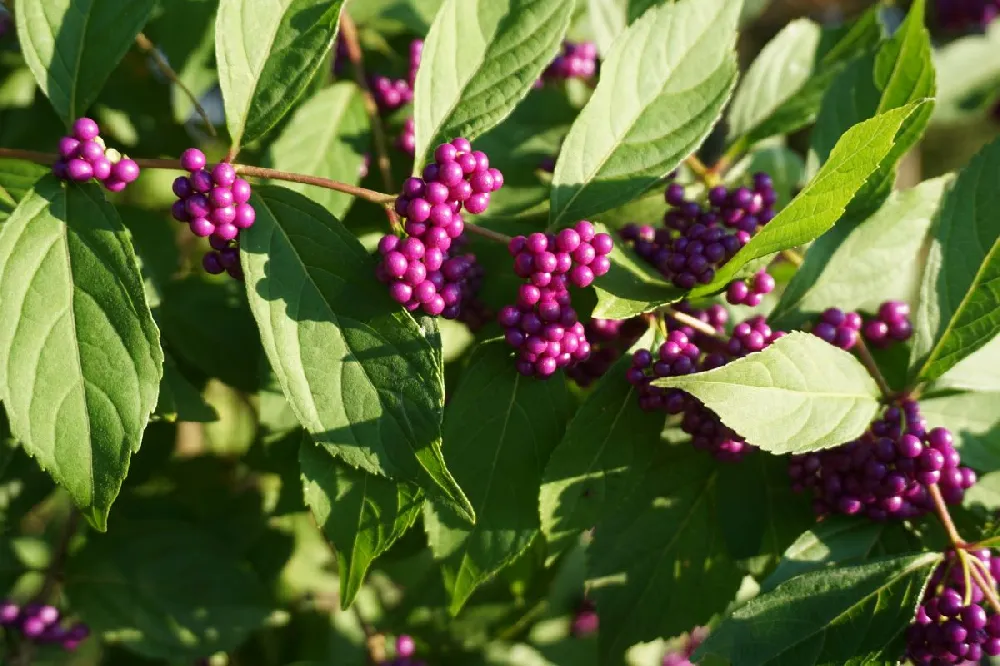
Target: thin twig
[
  {"x": 697, "y": 167},
  {"x": 869, "y": 362},
  {"x": 486, "y": 233},
  {"x": 985, "y": 582},
  {"x": 374, "y": 642},
  {"x": 792, "y": 257},
  {"x": 942, "y": 511},
  {"x": 161, "y": 63},
  {"x": 355, "y": 55},
  {"x": 694, "y": 323},
  {"x": 258, "y": 172}
]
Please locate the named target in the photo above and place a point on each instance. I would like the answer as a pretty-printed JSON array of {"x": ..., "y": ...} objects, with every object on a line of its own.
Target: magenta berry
[
  {"x": 839, "y": 328},
  {"x": 193, "y": 160},
  {"x": 83, "y": 157},
  {"x": 891, "y": 324},
  {"x": 85, "y": 129},
  {"x": 576, "y": 61}
]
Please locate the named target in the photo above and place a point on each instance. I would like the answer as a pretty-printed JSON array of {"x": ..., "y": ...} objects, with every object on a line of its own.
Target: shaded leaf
[
  {"x": 973, "y": 419},
  {"x": 632, "y": 287}
]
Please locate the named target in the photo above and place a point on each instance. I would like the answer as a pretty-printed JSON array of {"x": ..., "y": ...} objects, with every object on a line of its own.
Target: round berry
[{"x": 193, "y": 160}]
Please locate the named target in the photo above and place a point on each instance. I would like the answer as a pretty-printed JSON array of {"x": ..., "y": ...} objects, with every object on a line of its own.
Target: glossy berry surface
[
  {"x": 83, "y": 156},
  {"x": 890, "y": 325},
  {"x": 42, "y": 624},
  {"x": 841, "y": 329}
]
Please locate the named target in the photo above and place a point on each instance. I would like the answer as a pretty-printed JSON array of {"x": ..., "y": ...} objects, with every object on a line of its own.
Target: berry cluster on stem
[
  {"x": 406, "y": 648},
  {"x": 891, "y": 324},
  {"x": 41, "y": 624},
  {"x": 391, "y": 94},
  {"x": 576, "y": 60},
  {"x": 83, "y": 156}
]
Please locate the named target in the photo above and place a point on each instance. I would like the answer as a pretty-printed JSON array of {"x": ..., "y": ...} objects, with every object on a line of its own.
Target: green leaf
[
  {"x": 499, "y": 430},
  {"x": 861, "y": 263},
  {"x": 328, "y": 136},
  {"x": 179, "y": 400},
  {"x": 838, "y": 541},
  {"x": 800, "y": 394},
  {"x": 608, "y": 19},
  {"x": 360, "y": 513},
  {"x": 82, "y": 354},
  {"x": 817, "y": 208},
  {"x": 267, "y": 54},
  {"x": 666, "y": 537},
  {"x": 846, "y": 615},
  {"x": 165, "y": 590},
  {"x": 601, "y": 459},
  {"x": 976, "y": 372},
  {"x": 777, "y": 75},
  {"x": 16, "y": 180},
  {"x": 974, "y": 420},
  {"x": 72, "y": 46},
  {"x": 482, "y": 57},
  {"x": 632, "y": 287},
  {"x": 355, "y": 367},
  {"x": 655, "y": 103},
  {"x": 968, "y": 69},
  {"x": 959, "y": 298}
]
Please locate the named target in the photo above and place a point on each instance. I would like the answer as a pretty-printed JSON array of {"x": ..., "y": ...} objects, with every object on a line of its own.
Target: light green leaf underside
[{"x": 800, "y": 394}]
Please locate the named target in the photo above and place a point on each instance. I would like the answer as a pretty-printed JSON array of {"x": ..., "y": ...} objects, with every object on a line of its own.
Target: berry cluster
[
  {"x": 686, "y": 351},
  {"x": 406, "y": 142},
  {"x": 405, "y": 649},
  {"x": 83, "y": 156},
  {"x": 839, "y": 328},
  {"x": 953, "y": 625},
  {"x": 41, "y": 624},
  {"x": 961, "y": 15},
  {"x": 391, "y": 94},
  {"x": 885, "y": 473},
  {"x": 421, "y": 269},
  {"x": 578, "y": 60},
  {"x": 542, "y": 325},
  {"x": 892, "y": 324},
  {"x": 585, "y": 620},
  {"x": 609, "y": 339},
  {"x": 750, "y": 292},
  {"x": 697, "y": 239},
  {"x": 215, "y": 205},
  {"x": 683, "y": 657}
]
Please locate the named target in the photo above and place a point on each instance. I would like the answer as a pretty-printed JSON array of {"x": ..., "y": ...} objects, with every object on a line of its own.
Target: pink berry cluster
[
  {"x": 577, "y": 60},
  {"x": 40, "y": 623},
  {"x": 686, "y": 351},
  {"x": 959, "y": 15},
  {"x": 954, "y": 624},
  {"x": 698, "y": 238},
  {"x": 215, "y": 204},
  {"x": 406, "y": 648},
  {"x": 682, "y": 657},
  {"x": 83, "y": 156},
  {"x": 839, "y": 328},
  {"x": 891, "y": 324},
  {"x": 542, "y": 325},
  {"x": 609, "y": 339},
  {"x": 420, "y": 269},
  {"x": 585, "y": 620},
  {"x": 391, "y": 94},
  {"x": 886, "y": 472},
  {"x": 750, "y": 292}
]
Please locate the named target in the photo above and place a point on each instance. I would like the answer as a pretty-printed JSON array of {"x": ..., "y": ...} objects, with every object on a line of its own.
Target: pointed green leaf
[
  {"x": 658, "y": 566},
  {"x": 974, "y": 420},
  {"x": 632, "y": 287},
  {"x": 16, "y": 179},
  {"x": 480, "y": 58},
  {"x": 861, "y": 263},
  {"x": 976, "y": 372},
  {"x": 355, "y": 367},
  {"x": 499, "y": 430},
  {"x": 72, "y": 46},
  {"x": 800, "y": 394},
  {"x": 817, "y": 208},
  {"x": 360, "y": 513},
  {"x": 843, "y": 616},
  {"x": 608, "y": 19},
  {"x": 179, "y": 400},
  {"x": 601, "y": 459},
  {"x": 81, "y": 354},
  {"x": 960, "y": 297},
  {"x": 661, "y": 91},
  {"x": 328, "y": 136},
  {"x": 267, "y": 53}
]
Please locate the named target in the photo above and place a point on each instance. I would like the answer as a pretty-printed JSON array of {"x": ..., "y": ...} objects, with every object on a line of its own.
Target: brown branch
[
  {"x": 869, "y": 362},
  {"x": 486, "y": 233},
  {"x": 350, "y": 33},
  {"x": 942, "y": 512},
  {"x": 792, "y": 257},
  {"x": 149, "y": 48},
  {"x": 985, "y": 581}
]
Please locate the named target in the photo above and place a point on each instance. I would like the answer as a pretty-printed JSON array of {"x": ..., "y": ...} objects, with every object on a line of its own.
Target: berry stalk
[
  {"x": 941, "y": 508},
  {"x": 983, "y": 580},
  {"x": 147, "y": 47},
  {"x": 869, "y": 362},
  {"x": 693, "y": 322},
  {"x": 486, "y": 233}
]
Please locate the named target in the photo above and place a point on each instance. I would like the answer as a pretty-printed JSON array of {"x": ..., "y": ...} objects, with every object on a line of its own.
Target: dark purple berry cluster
[
  {"x": 421, "y": 269},
  {"x": 84, "y": 156},
  {"x": 953, "y": 625},
  {"x": 40, "y": 623},
  {"x": 750, "y": 292},
  {"x": 406, "y": 648},
  {"x": 839, "y": 328},
  {"x": 391, "y": 94},
  {"x": 691, "y": 643},
  {"x": 960, "y": 15},
  {"x": 697, "y": 238},
  {"x": 891, "y": 324},
  {"x": 685, "y": 352},
  {"x": 578, "y": 60},
  {"x": 542, "y": 325},
  {"x": 609, "y": 339},
  {"x": 215, "y": 204},
  {"x": 886, "y": 472},
  {"x": 585, "y": 621}
]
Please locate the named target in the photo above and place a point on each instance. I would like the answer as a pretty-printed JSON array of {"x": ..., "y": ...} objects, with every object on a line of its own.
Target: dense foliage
[{"x": 499, "y": 332}]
